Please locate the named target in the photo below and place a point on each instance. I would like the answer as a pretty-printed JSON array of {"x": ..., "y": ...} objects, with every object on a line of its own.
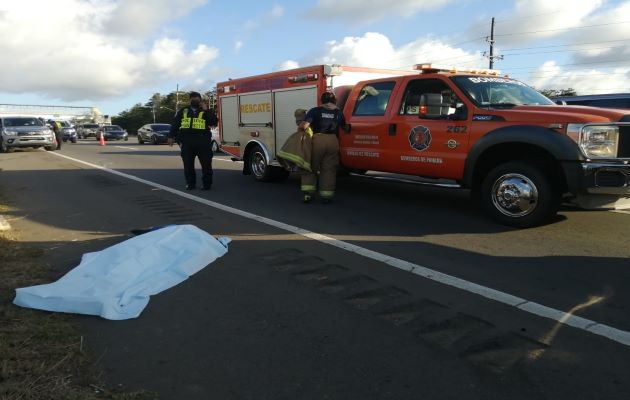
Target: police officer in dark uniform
[{"x": 191, "y": 129}]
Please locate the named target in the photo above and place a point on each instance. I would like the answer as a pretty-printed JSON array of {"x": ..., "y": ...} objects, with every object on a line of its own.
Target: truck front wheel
[{"x": 519, "y": 194}]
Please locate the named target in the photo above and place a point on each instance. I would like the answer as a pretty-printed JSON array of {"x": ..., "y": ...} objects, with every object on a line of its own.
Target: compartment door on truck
[
  {"x": 432, "y": 130},
  {"x": 229, "y": 119},
  {"x": 286, "y": 101}
]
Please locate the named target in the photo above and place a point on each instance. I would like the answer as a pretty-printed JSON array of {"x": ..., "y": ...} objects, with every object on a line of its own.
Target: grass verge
[{"x": 41, "y": 353}]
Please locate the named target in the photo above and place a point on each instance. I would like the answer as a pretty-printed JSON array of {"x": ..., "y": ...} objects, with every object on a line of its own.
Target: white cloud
[
  {"x": 169, "y": 56},
  {"x": 288, "y": 64},
  {"x": 237, "y": 45},
  {"x": 376, "y": 50},
  {"x": 611, "y": 24},
  {"x": 540, "y": 19},
  {"x": 143, "y": 17},
  {"x": 61, "y": 50},
  {"x": 366, "y": 11},
  {"x": 550, "y": 75},
  {"x": 277, "y": 11},
  {"x": 266, "y": 19},
  {"x": 596, "y": 47}
]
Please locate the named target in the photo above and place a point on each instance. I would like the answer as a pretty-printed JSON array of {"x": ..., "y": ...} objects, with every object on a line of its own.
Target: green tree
[
  {"x": 558, "y": 92},
  {"x": 164, "y": 107}
]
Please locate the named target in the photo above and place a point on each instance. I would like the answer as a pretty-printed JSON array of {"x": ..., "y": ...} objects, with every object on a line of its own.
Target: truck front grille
[{"x": 624, "y": 142}]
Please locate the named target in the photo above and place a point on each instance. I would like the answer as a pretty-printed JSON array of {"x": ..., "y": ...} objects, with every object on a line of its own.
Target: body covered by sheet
[{"x": 116, "y": 282}]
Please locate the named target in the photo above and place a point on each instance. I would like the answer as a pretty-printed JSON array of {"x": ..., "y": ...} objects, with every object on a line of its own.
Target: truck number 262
[{"x": 456, "y": 129}]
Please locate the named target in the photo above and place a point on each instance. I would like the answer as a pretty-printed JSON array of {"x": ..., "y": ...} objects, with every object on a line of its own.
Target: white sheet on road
[{"x": 116, "y": 283}]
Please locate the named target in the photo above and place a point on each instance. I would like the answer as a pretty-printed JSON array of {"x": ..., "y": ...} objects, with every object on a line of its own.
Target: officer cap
[{"x": 195, "y": 94}]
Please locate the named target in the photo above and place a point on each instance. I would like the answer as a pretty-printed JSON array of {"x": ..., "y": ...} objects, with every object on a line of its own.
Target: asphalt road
[{"x": 285, "y": 314}]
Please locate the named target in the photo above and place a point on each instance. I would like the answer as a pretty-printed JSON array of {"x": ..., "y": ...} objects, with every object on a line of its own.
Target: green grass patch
[{"x": 41, "y": 353}]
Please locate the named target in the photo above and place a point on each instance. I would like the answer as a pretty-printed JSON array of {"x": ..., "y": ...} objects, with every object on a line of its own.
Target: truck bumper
[{"x": 601, "y": 185}]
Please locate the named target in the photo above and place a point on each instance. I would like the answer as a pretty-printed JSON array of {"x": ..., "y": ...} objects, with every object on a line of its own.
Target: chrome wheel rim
[
  {"x": 258, "y": 164},
  {"x": 514, "y": 195}
]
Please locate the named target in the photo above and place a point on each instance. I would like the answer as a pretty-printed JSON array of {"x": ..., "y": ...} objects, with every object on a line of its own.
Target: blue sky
[{"x": 113, "y": 54}]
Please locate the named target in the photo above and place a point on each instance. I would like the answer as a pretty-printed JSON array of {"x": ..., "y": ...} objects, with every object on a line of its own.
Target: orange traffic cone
[{"x": 101, "y": 140}]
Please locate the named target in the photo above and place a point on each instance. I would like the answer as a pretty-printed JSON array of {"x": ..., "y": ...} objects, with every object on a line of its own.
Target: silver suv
[
  {"x": 87, "y": 130},
  {"x": 25, "y": 132}
]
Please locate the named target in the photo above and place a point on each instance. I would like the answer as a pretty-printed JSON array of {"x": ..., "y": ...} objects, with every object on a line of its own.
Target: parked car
[
  {"x": 612, "y": 100},
  {"x": 68, "y": 132},
  {"x": 25, "y": 132},
  {"x": 153, "y": 133},
  {"x": 215, "y": 140},
  {"x": 112, "y": 132},
  {"x": 87, "y": 130}
]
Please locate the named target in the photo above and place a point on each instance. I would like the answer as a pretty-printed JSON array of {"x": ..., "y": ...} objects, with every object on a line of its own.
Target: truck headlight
[
  {"x": 9, "y": 132},
  {"x": 596, "y": 141}
]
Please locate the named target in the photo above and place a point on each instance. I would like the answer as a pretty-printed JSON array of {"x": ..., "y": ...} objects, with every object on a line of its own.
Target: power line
[
  {"x": 580, "y": 75},
  {"x": 581, "y": 63},
  {"x": 566, "y": 45},
  {"x": 562, "y": 51},
  {"x": 563, "y": 29},
  {"x": 501, "y": 21}
]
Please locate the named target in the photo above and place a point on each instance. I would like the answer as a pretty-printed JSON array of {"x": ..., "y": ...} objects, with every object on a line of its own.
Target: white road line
[
  {"x": 531, "y": 307},
  {"x": 126, "y": 148}
]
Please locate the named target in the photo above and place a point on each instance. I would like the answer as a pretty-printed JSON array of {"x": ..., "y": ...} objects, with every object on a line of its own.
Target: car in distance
[
  {"x": 87, "y": 130},
  {"x": 112, "y": 132},
  {"x": 25, "y": 132},
  {"x": 153, "y": 133},
  {"x": 215, "y": 139},
  {"x": 68, "y": 132},
  {"x": 611, "y": 100}
]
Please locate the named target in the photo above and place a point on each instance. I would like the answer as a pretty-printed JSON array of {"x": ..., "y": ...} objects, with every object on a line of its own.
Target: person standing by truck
[
  {"x": 56, "y": 128},
  {"x": 325, "y": 122},
  {"x": 191, "y": 128}
]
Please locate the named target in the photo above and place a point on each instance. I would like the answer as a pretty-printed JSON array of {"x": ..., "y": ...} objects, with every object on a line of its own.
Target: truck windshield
[{"x": 490, "y": 91}]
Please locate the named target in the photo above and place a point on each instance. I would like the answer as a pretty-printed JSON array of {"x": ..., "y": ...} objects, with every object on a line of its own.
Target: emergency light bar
[{"x": 428, "y": 68}]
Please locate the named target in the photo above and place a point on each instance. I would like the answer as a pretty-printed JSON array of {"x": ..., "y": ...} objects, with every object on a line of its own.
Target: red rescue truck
[{"x": 518, "y": 152}]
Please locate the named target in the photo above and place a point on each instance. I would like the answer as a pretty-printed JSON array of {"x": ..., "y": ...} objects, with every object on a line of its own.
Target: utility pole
[
  {"x": 177, "y": 97},
  {"x": 490, "y": 55}
]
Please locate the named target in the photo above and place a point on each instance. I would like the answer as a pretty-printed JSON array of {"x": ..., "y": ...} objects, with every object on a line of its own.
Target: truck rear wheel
[
  {"x": 519, "y": 194},
  {"x": 258, "y": 164}
]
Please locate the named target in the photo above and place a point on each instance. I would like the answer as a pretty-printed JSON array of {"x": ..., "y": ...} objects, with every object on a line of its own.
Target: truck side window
[
  {"x": 418, "y": 92},
  {"x": 373, "y": 98}
]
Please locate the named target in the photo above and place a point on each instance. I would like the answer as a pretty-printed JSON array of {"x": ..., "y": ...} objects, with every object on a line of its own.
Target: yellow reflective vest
[{"x": 197, "y": 123}]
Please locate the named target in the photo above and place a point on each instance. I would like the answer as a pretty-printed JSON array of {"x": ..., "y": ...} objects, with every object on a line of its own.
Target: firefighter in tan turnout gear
[{"x": 325, "y": 122}]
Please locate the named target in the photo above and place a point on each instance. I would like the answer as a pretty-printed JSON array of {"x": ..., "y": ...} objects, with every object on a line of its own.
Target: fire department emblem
[{"x": 420, "y": 138}]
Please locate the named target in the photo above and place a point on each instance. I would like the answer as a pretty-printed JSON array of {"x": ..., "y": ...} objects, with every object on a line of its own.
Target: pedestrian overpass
[{"x": 68, "y": 113}]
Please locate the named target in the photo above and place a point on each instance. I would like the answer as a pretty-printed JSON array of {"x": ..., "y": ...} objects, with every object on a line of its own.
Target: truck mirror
[{"x": 431, "y": 106}]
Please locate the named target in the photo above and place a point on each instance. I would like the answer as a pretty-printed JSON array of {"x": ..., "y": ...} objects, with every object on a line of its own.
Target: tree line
[{"x": 159, "y": 109}]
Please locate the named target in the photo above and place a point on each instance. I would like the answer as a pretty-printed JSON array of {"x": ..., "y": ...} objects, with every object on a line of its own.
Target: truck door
[
  {"x": 431, "y": 129},
  {"x": 365, "y": 145}
]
